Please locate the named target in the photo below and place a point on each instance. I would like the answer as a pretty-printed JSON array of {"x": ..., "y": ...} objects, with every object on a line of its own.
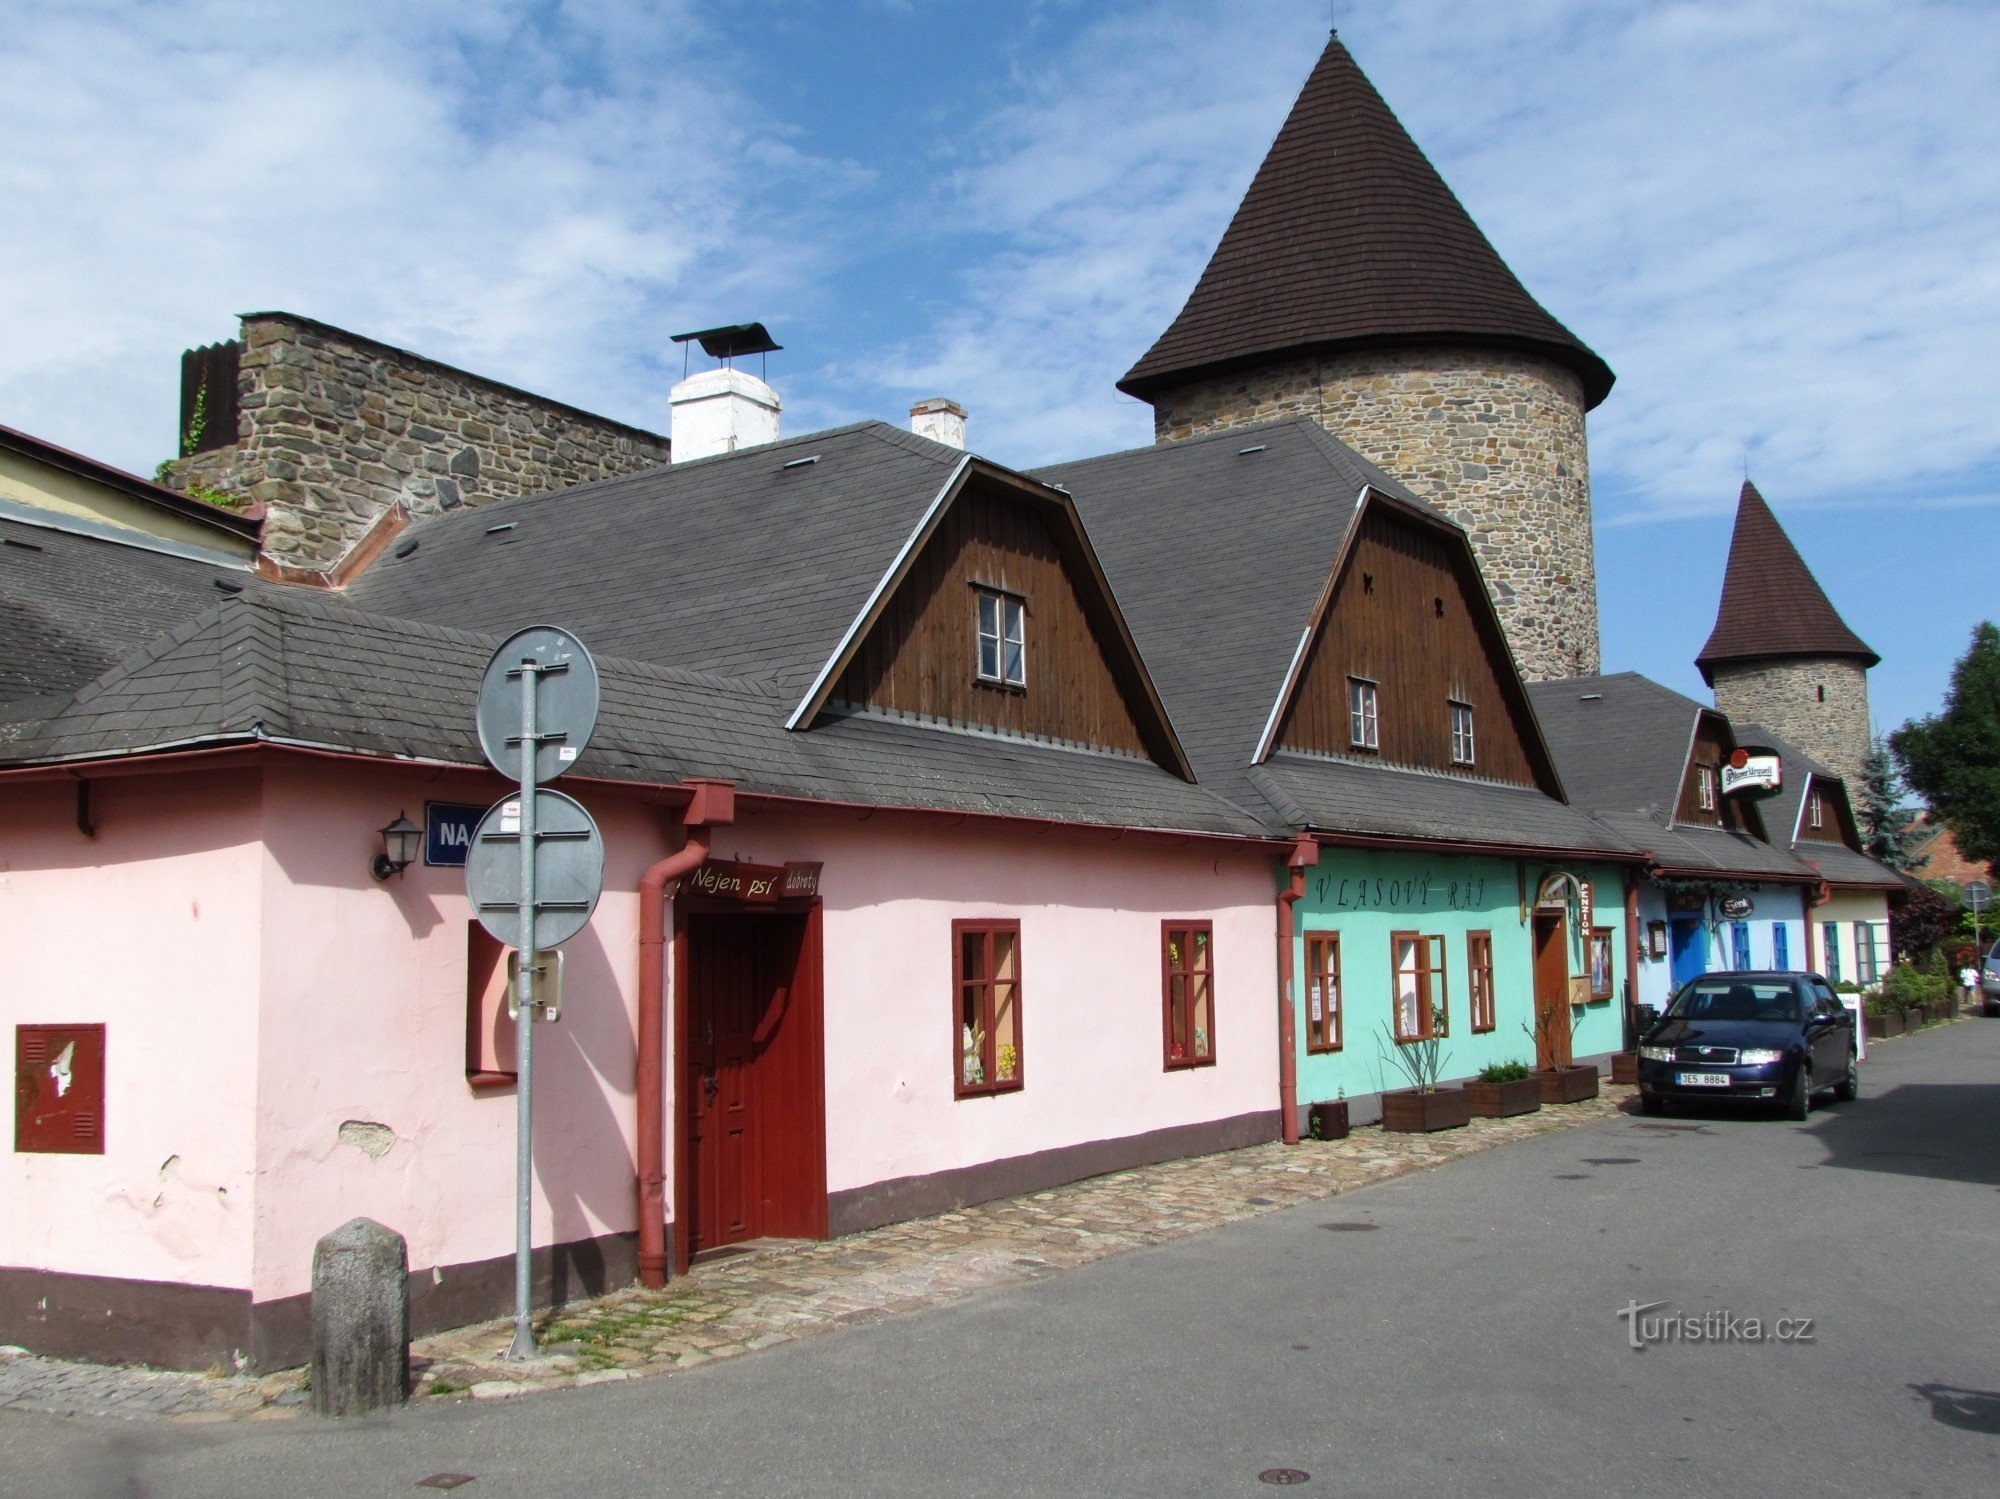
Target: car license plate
[{"x": 1701, "y": 1079}]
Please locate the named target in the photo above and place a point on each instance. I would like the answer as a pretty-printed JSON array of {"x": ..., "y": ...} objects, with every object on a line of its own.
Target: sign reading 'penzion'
[{"x": 754, "y": 884}]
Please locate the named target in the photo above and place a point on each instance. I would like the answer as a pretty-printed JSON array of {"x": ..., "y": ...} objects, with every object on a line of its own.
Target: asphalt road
[{"x": 1465, "y": 1340}]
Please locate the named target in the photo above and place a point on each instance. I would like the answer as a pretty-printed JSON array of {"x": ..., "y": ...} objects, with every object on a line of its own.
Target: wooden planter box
[
  {"x": 1625, "y": 1067},
  {"x": 1500, "y": 1100},
  {"x": 1327, "y": 1121},
  {"x": 1412, "y": 1113},
  {"x": 1568, "y": 1084},
  {"x": 1881, "y": 1027}
]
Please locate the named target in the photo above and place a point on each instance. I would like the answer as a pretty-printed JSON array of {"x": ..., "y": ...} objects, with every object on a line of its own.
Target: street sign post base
[{"x": 523, "y": 1346}]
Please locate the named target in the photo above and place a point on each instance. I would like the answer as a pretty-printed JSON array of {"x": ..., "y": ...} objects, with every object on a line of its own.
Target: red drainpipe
[
  {"x": 1304, "y": 854},
  {"x": 1629, "y": 1037},
  {"x": 712, "y": 804}
]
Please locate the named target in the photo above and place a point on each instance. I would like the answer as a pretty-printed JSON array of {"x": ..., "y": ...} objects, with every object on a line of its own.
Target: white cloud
[
  {"x": 1773, "y": 218},
  {"x": 540, "y": 195}
]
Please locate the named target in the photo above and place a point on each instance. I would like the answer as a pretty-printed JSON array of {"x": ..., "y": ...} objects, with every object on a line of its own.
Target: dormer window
[
  {"x": 1003, "y": 654},
  {"x": 1818, "y": 811},
  {"x": 1361, "y": 717},
  {"x": 1704, "y": 780},
  {"x": 1461, "y": 733}
]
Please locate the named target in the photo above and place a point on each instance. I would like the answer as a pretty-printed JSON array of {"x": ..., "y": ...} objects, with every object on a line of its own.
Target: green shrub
[
  {"x": 1908, "y": 988},
  {"x": 1503, "y": 1072}
]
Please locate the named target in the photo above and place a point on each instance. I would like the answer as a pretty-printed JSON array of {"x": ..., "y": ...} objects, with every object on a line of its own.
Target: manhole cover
[
  {"x": 1350, "y": 1228},
  {"x": 1283, "y": 1476}
]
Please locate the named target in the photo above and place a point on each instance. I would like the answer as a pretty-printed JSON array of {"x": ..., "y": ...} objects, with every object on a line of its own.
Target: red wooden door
[
  {"x": 756, "y": 1133},
  {"x": 1552, "y": 1047}
]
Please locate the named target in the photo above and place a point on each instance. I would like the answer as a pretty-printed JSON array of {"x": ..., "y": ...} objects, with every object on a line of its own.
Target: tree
[
  {"x": 1952, "y": 759},
  {"x": 1887, "y": 826},
  {"x": 1923, "y": 921}
]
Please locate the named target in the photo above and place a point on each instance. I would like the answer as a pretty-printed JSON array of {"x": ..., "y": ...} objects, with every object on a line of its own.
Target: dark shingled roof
[
  {"x": 1772, "y": 606},
  {"x": 72, "y": 606},
  {"x": 300, "y": 667},
  {"x": 1349, "y": 238},
  {"x": 1840, "y": 863},
  {"x": 1622, "y": 742},
  {"x": 1217, "y": 549}
]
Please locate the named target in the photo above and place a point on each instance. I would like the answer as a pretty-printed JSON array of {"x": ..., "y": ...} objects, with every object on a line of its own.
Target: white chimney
[
  {"x": 719, "y": 411},
  {"x": 939, "y": 420}
]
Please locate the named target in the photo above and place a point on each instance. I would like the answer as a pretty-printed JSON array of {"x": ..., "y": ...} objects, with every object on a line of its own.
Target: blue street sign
[{"x": 448, "y": 832}]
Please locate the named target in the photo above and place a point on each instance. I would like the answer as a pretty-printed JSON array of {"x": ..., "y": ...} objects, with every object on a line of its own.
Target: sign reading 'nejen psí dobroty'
[{"x": 754, "y": 884}]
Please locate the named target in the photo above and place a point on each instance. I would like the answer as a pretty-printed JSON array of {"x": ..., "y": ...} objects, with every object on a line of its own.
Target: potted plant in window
[
  {"x": 1504, "y": 1089},
  {"x": 1423, "y": 1106},
  {"x": 1328, "y": 1121}
]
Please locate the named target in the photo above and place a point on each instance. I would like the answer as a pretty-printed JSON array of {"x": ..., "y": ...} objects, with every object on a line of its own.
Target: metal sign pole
[{"x": 523, "y": 1345}]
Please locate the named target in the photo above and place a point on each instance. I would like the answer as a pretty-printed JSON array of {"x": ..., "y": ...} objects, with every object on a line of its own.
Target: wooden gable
[
  {"x": 1837, "y": 824},
  {"x": 1406, "y": 610},
  {"x": 919, "y": 655},
  {"x": 1709, "y": 751}
]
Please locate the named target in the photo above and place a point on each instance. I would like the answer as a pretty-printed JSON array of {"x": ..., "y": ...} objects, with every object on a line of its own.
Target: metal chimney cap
[{"x": 731, "y": 341}]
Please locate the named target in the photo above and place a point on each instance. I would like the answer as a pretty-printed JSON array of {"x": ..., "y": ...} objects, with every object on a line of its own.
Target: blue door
[{"x": 1690, "y": 950}]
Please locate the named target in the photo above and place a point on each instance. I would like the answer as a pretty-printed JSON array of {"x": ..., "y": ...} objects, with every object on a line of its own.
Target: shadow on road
[
  {"x": 1940, "y": 1130},
  {"x": 1968, "y": 1410}
]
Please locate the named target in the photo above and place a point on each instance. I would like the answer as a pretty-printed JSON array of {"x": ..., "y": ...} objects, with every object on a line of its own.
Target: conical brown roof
[
  {"x": 1348, "y": 237},
  {"x": 1771, "y": 603}
]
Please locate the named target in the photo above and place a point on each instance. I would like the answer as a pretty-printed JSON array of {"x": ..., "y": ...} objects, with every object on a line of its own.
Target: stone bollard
[{"x": 360, "y": 1319}]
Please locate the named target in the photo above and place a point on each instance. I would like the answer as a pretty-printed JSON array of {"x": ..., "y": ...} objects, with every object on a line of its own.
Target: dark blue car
[{"x": 1775, "y": 1037}]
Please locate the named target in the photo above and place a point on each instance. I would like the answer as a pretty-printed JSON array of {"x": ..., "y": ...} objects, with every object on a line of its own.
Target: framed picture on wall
[
  {"x": 1600, "y": 962},
  {"x": 1656, "y": 939}
]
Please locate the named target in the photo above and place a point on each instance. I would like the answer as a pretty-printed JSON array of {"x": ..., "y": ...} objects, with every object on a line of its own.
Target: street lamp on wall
[{"x": 400, "y": 841}]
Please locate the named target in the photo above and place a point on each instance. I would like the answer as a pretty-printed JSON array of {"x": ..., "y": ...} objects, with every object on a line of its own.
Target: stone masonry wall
[
  {"x": 1819, "y": 704},
  {"x": 336, "y": 428},
  {"x": 1495, "y": 440}
]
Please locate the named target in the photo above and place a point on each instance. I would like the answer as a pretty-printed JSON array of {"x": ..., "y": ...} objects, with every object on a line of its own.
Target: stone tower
[
  {"x": 1780, "y": 655},
  {"x": 1353, "y": 288}
]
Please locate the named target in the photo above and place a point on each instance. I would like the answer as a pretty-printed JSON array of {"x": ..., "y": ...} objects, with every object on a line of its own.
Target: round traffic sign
[
  {"x": 569, "y": 870},
  {"x": 1978, "y": 894},
  {"x": 566, "y": 697}
]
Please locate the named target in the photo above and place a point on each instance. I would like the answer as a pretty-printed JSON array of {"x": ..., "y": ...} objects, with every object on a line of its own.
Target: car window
[{"x": 1738, "y": 999}]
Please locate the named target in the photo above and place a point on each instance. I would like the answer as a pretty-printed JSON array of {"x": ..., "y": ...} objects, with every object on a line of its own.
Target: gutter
[
  {"x": 711, "y": 803},
  {"x": 1304, "y": 854}
]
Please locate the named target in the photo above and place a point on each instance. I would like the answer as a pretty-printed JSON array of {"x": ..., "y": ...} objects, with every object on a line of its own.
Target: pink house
[{"x": 953, "y": 921}]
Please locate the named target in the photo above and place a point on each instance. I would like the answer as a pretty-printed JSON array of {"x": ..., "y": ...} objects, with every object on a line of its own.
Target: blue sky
[{"x": 1775, "y": 219}]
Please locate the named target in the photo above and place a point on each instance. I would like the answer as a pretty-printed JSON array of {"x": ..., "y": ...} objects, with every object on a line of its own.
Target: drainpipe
[
  {"x": 1631, "y": 958},
  {"x": 1304, "y": 854},
  {"x": 713, "y": 803}
]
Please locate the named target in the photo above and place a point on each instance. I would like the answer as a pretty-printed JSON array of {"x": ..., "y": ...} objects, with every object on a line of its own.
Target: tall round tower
[
  {"x": 1352, "y": 287},
  {"x": 1780, "y": 654}
]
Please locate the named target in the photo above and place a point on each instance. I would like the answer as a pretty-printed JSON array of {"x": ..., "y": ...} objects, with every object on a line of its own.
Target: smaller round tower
[{"x": 1780, "y": 654}]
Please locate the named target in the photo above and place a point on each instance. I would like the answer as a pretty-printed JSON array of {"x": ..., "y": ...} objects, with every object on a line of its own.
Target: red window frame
[
  {"x": 1479, "y": 980},
  {"x": 1433, "y": 1002},
  {"x": 979, "y": 989},
  {"x": 1180, "y": 981},
  {"x": 1323, "y": 970}
]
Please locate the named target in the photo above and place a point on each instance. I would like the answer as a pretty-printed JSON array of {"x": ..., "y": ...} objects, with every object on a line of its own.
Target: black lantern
[{"x": 400, "y": 840}]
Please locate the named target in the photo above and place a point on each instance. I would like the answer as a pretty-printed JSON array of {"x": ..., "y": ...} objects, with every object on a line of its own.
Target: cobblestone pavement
[{"x": 795, "y": 1290}]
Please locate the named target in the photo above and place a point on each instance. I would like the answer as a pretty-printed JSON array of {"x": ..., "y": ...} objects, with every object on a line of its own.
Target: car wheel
[
  {"x": 1849, "y": 1087},
  {"x": 1652, "y": 1103},
  {"x": 1799, "y": 1106}
]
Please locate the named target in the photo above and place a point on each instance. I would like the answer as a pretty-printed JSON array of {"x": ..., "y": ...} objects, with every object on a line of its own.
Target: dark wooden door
[
  {"x": 1552, "y": 989},
  {"x": 755, "y": 1122}
]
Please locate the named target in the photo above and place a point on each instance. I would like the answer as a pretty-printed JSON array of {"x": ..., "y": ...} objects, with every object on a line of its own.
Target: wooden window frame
[
  {"x": 1003, "y": 601},
  {"x": 1609, "y": 937},
  {"x": 1364, "y": 713},
  {"x": 1323, "y": 967},
  {"x": 1706, "y": 789},
  {"x": 1454, "y": 708},
  {"x": 1168, "y": 973},
  {"x": 1479, "y": 981},
  {"x": 1433, "y": 993},
  {"x": 1829, "y": 933},
  {"x": 1867, "y": 963},
  {"x": 989, "y": 1052},
  {"x": 1817, "y": 811}
]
